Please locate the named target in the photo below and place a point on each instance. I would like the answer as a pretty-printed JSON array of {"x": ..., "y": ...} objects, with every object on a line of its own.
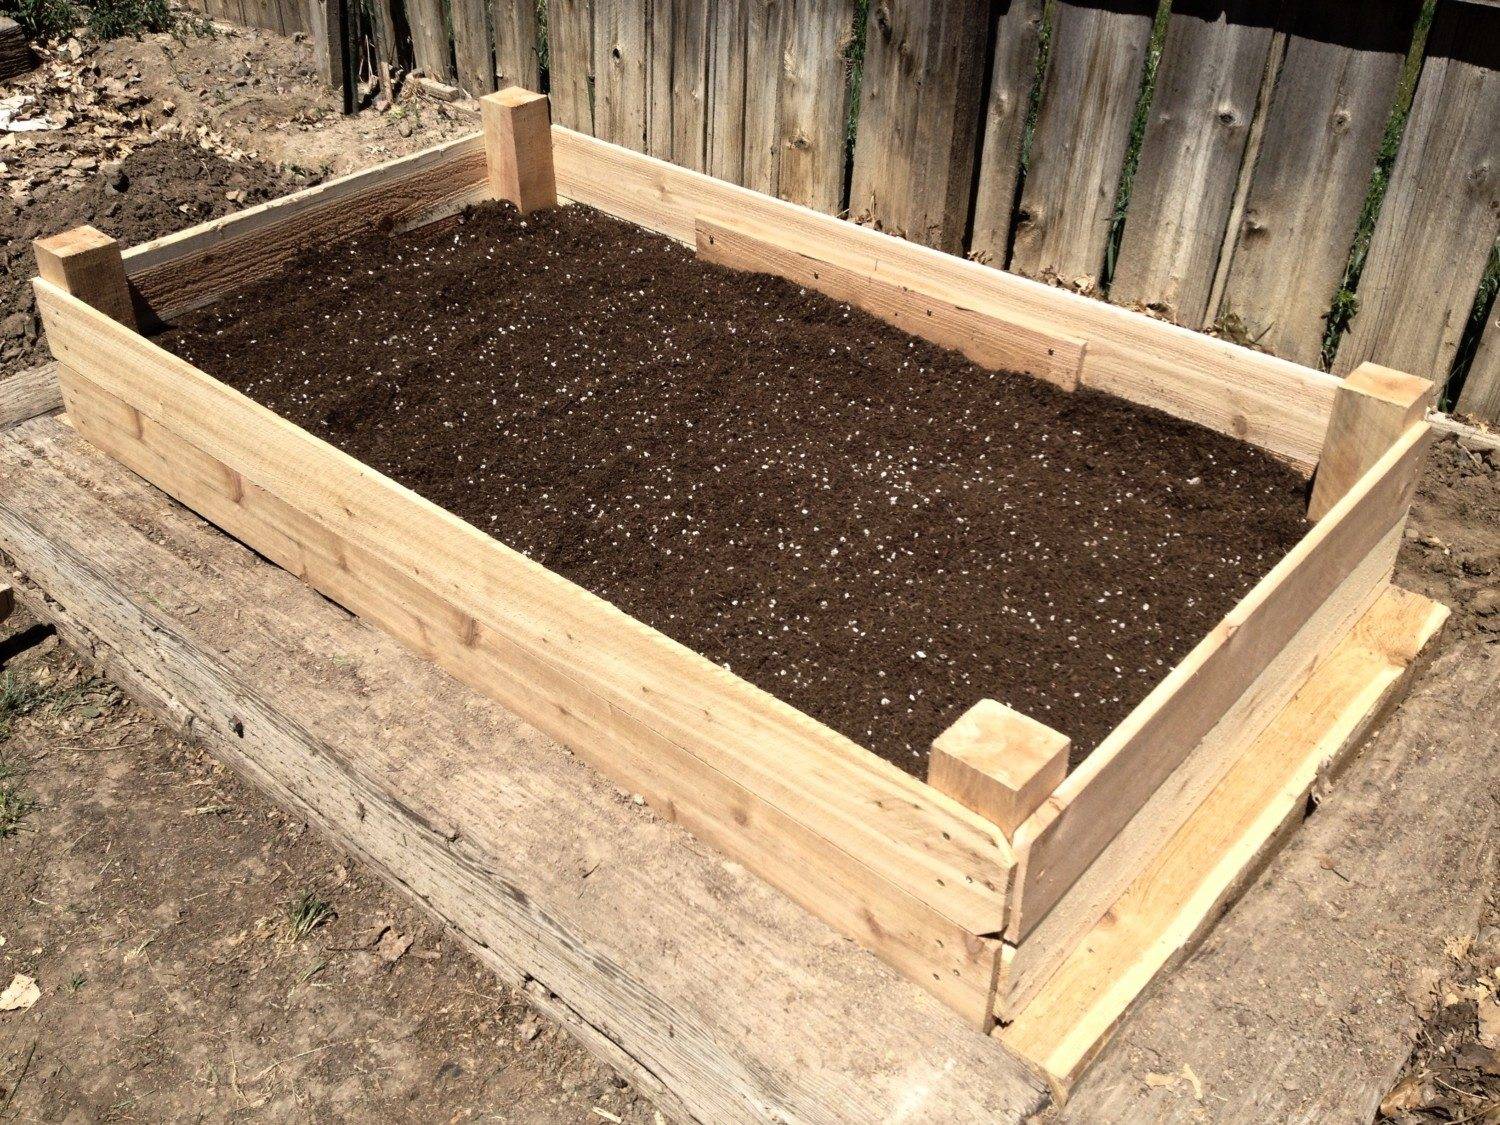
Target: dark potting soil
[{"x": 871, "y": 528}]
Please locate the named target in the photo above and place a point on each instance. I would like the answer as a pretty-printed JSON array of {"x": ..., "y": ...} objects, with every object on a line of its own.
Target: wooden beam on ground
[
  {"x": 86, "y": 262},
  {"x": 27, "y": 394},
  {"x": 719, "y": 998},
  {"x": 518, "y": 147},
  {"x": 1304, "y": 1002},
  {"x": 1373, "y": 409},
  {"x": 998, "y": 762},
  {"x": 1221, "y": 849}
]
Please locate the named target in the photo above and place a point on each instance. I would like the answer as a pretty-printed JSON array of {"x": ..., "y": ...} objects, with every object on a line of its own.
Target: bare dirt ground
[{"x": 163, "y": 950}]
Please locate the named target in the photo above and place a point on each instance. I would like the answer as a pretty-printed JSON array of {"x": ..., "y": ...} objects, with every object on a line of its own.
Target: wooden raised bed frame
[{"x": 1050, "y": 913}]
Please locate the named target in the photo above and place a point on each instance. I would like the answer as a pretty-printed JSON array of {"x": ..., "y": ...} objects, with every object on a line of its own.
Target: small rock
[
  {"x": 1486, "y": 603},
  {"x": 530, "y": 1028}
]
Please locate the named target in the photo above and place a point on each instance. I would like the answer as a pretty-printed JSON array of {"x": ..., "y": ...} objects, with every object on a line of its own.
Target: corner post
[
  {"x": 1372, "y": 408},
  {"x": 518, "y": 147},
  {"x": 87, "y": 263},
  {"x": 998, "y": 763}
]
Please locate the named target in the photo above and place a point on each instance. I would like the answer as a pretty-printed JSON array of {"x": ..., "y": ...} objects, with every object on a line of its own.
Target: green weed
[{"x": 306, "y": 913}]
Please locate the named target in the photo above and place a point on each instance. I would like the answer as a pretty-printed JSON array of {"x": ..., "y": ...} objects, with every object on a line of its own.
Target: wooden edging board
[
  {"x": 930, "y": 879},
  {"x": 720, "y": 1000},
  {"x": 1110, "y": 816},
  {"x": 906, "y": 871}
]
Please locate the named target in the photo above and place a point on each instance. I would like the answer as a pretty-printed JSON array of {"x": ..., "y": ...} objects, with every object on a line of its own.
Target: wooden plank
[
  {"x": 719, "y": 810},
  {"x": 1269, "y": 402},
  {"x": 814, "y": 109},
  {"x": 1115, "y": 812},
  {"x": 660, "y": 18},
  {"x": 87, "y": 263},
  {"x": 988, "y": 335},
  {"x": 1441, "y": 213},
  {"x": 429, "y": 38},
  {"x": 203, "y": 263},
  {"x": 1322, "y": 134},
  {"x": 1220, "y": 849},
  {"x": 689, "y": 83},
  {"x": 572, "y": 659},
  {"x": 765, "y": 64},
  {"x": 1374, "y": 407},
  {"x": 570, "y": 62},
  {"x": 16, "y": 58},
  {"x": 513, "y": 23},
  {"x": 518, "y": 148},
  {"x": 920, "y": 102},
  {"x": 702, "y": 986},
  {"x": 1093, "y": 80},
  {"x": 1480, "y": 395},
  {"x": 1212, "y": 63},
  {"x": 473, "y": 46},
  {"x": 1013, "y": 63},
  {"x": 998, "y": 762},
  {"x": 727, "y": 59},
  {"x": 622, "y": 43},
  {"x": 27, "y": 394}
]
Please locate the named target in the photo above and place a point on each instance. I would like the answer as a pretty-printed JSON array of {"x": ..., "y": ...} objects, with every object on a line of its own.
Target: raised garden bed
[{"x": 988, "y": 886}]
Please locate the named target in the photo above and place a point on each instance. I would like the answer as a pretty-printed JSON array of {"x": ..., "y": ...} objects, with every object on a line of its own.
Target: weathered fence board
[
  {"x": 1481, "y": 390},
  {"x": 622, "y": 46},
  {"x": 429, "y": 38},
  {"x": 1442, "y": 210},
  {"x": 1082, "y": 133},
  {"x": 1017, "y": 43},
  {"x": 473, "y": 46},
  {"x": 1212, "y": 65},
  {"x": 570, "y": 59},
  {"x": 688, "y": 89},
  {"x": 1322, "y": 134},
  {"x": 765, "y": 29},
  {"x": 919, "y": 117},
  {"x": 725, "y": 143},
  {"x": 814, "y": 102},
  {"x": 513, "y": 23}
]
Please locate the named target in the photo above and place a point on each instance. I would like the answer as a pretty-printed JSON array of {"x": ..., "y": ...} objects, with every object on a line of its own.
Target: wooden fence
[{"x": 1209, "y": 161}]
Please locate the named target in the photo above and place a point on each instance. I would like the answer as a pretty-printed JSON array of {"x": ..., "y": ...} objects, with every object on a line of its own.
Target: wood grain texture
[
  {"x": 1441, "y": 212},
  {"x": 1326, "y": 116},
  {"x": 87, "y": 263},
  {"x": 714, "y": 995},
  {"x": 765, "y": 64},
  {"x": 518, "y": 148},
  {"x": 814, "y": 106},
  {"x": 27, "y": 394},
  {"x": 1273, "y": 1012},
  {"x": 1013, "y": 64},
  {"x": 1212, "y": 64},
  {"x": 987, "y": 335},
  {"x": 570, "y": 62},
  {"x": 514, "y": 29},
  {"x": 1373, "y": 409},
  {"x": 1089, "y": 95},
  {"x": 920, "y": 101},
  {"x": 689, "y": 83},
  {"x": 622, "y": 45},
  {"x": 430, "y": 43},
  {"x": 203, "y": 263},
  {"x": 473, "y": 46},
  {"x": 1274, "y": 404},
  {"x": 998, "y": 762},
  {"x": 614, "y": 689},
  {"x": 1211, "y": 859},
  {"x": 1480, "y": 396},
  {"x": 1115, "y": 811},
  {"x": 727, "y": 62}
]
